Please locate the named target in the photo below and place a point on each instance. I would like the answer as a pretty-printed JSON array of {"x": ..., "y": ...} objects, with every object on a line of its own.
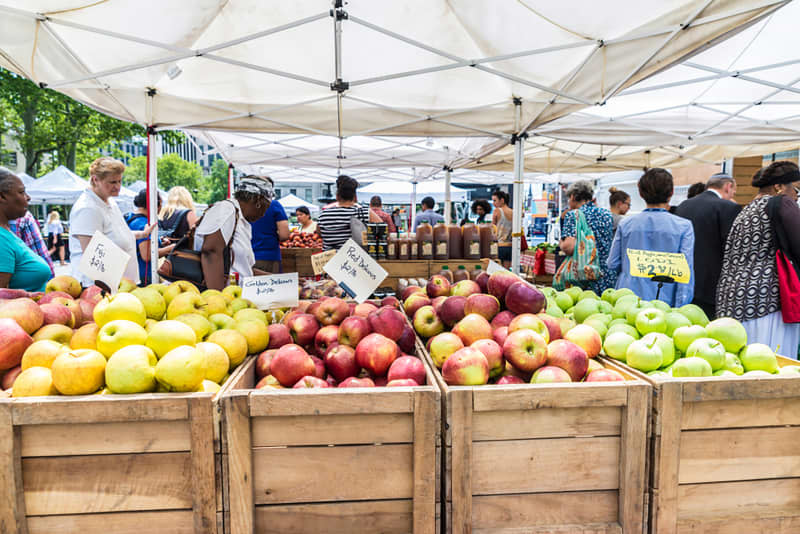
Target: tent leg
[
  {"x": 448, "y": 205},
  {"x": 152, "y": 200},
  {"x": 516, "y": 228},
  {"x": 413, "y": 211},
  {"x": 230, "y": 180}
]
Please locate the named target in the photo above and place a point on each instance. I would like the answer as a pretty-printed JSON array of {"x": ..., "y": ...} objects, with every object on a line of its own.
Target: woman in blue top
[
  {"x": 268, "y": 232},
  {"x": 20, "y": 267},
  {"x": 137, "y": 222},
  {"x": 657, "y": 230}
]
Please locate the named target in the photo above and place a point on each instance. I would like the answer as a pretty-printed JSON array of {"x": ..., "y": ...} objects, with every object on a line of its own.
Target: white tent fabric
[
  {"x": 414, "y": 68},
  {"x": 26, "y": 178},
  {"x": 400, "y": 193},
  {"x": 291, "y": 202},
  {"x": 59, "y": 186}
]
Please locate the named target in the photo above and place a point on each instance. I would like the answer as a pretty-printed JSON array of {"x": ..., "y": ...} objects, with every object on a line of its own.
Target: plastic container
[
  {"x": 446, "y": 272},
  {"x": 472, "y": 242},
  {"x": 413, "y": 247},
  {"x": 392, "y": 244},
  {"x": 425, "y": 241},
  {"x": 488, "y": 237},
  {"x": 456, "y": 241},
  {"x": 441, "y": 242},
  {"x": 403, "y": 247},
  {"x": 460, "y": 274},
  {"x": 475, "y": 272}
]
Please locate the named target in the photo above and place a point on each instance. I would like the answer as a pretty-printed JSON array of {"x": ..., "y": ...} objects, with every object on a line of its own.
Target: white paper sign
[
  {"x": 271, "y": 290},
  {"x": 493, "y": 267},
  {"x": 104, "y": 261},
  {"x": 355, "y": 271}
]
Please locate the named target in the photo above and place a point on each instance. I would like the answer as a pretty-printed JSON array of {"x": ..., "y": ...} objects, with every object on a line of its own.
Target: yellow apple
[
  {"x": 221, "y": 320},
  {"x": 85, "y": 337},
  {"x": 118, "y": 334},
  {"x": 207, "y": 386},
  {"x": 233, "y": 342},
  {"x": 64, "y": 283},
  {"x": 176, "y": 288},
  {"x": 167, "y": 335},
  {"x": 186, "y": 303},
  {"x": 131, "y": 370},
  {"x": 251, "y": 314},
  {"x": 181, "y": 369},
  {"x": 79, "y": 372},
  {"x": 256, "y": 334},
  {"x": 232, "y": 291},
  {"x": 119, "y": 306},
  {"x": 154, "y": 304},
  {"x": 149, "y": 324},
  {"x": 217, "y": 361},
  {"x": 34, "y": 382},
  {"x": 161, "y": 288},
  {"x": 208, "y": 292},
  {"x": 215, "y": 304},
  {"x": 42, "y": 354},
  {"x": 236, "y": 305},
  {"x": 104, "y": 391},
  {"x": 57, "y": 332},
  {"x": 201, "y": 326},
  {"x": 126, "y": 285}
]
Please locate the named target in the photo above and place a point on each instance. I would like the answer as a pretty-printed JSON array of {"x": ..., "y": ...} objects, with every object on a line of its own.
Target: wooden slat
[
  {"x": 332, "y": 429},
  {"x": 666, "y": 463},
  {"x": 334, "y": 402},
  {"x": 549, "y": 423},
  {"x": 739, "y": 454},
  {"x": 731, "y": 499},
  {"x": 239, "y": 500},
  {"x": 775, "y": 522},
  {"x": 545, "y": 465},
  {"x": 526, "y": 510},
  {"x": 173, "y": 521},
  {"x": 12, "y": 502},
  {"x": 426, "y": 425},
  {"x": 105, "y": 438},
  {"x": 204, "y": 498},
  {"x": 589, "y": 528},
  {"x": 777, "y": 387},
  {"x": 740, "y": 413},
  {"x": 102, "y": 409},
  {"x": 633, "y": 451},
  {"x": 341, "y": 473},
  {"x": 459, "y": 476},
  {"x": 525, "y": 397},
  {"x": 107, "y": 483},
  {"x": 368, "y": 517}
]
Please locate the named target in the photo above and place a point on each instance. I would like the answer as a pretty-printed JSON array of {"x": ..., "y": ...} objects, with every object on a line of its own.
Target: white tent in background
[
  {"x": 400, "y": 193},
  {"x": 59, "y": 186},
  {"x": 26, "y": 178},
  {"x": 291, "y": 202}
]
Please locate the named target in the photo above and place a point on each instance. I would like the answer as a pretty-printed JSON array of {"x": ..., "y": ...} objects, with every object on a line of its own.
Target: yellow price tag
[
  {"x": 649, "y": 263},
  {"x": 319, "y": 260}
]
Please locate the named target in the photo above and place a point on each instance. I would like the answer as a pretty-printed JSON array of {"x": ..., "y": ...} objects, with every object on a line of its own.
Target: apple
[
  {"x": 564, "y": 301},
  {"x": 759, "y": 357},
  {"x": 354, "y": 382},
  {"x": 215, "y": 304},
  {"x": 674, "y": 321},
  {"x": 415, "y": 302},
  {"x": 319, "y": 367},
  {"x": 466, "y": 367},
  {"x": 644, "y": 356},
  {"x": 569, "y": 357},
  {"x": 427, "y": 323},
  {"x": 509, "y": 379},
  {"x": 340, "y": 360},
  {"x": 79, "y": 372},
  {"x": 465, "y": 288},
  {"x": 788, "y": 370},
  {"x": 604, "y": 318},
  {"x": 523, "y": 297},
  {"x": 251, "y": 314},
  {"x": 154, "y": 304},
  {"x": 263, "y": 361},
  {"x": 331, "y": 311},
  {"x": 550, "y": 374},
  {"x": 410, "y": 290},
  {"x": 442, "y": 346},
  {"x": 376, "y": 353},
  {"x": 499, "y": 282},
  {"x": 407, "y": 367},
  {"x": 57, "y": 332},
  {"x": 651, "y": 320},
  {"x": 503, "y": 318},
  {"x": 733, "y": 364},
  {"x": 352, "y": 330},
  {"x": 120, "y": 306},
  {"x": 55, "y": 313},
  {"x": 483, "y": 281},
  {"x": 684, "y": 335},
  {"x": 438, "y": 286},
  {"x": 75, "y": 308},
  {"x": 390, "y": 301},
  {"x": 585, "y": 337},
  {"x": 41, "y": 354},
  {"x": 605, "y": 375},
  {"x": 65, "y": 283},
  {"x": 625, "y": 329},
  {"x": 691, "y": 367},
  {"x": 664, "y": 343},
  {"x": 500, "y": 335},
  {"x": 552, "y": 309},
  {"x": 256, "y": 334},
  {"x": 624, "y": 304},
  {"x": 167, "y": 335},
  {"x": 586, "y": 308},
  {"x": 552, "y": 324},
  {"x": 94, "y": 294},
  {"x": 199, "y": 323},
  {"x": 15, "y": 342},
  {"x": 326, "y": 337},
  {"x": 290, "y": 364},
  {"x": 188, "y": 302},
  {"x": 25, "y": 312},
  {"x": 217, "y": 361},
  {"x": 181, "y": 369},
  {"x": 531, "y": 322},
  {"x": 710, "y": 350},
  {"x": 182, "y": 286},
  {"x": 310, "y": 382},
  {"x": 525, "y": 349},
  {"x": 694, "y": 313},
  {"x": 237, "y": 304},
  {"x": 268, "y": 381},
  {"x": 598, "y": 325},
  {"x": 303, "y": 328},
  {"x": 9, "y": 377},
  {"x": 118, "y": 334},
  {"x": 453, "y": 309},
  {"x": 437, "y": 303},
  {"x": 388, "y": 322},
  {"x": 616, "y": 345},
  {"x": 486, "y": 305},
  {"x": 34, "y": 382},
  {"x": 364, "y": 309},
  {"x": 131, "y": 369},
  {"x": 408, "y": 340},
  {"x": 494, "y": 355},
  {"x": 87, "y": 310},
  {"x": 472, "y": 328},
  {"x": 232, "y": 292},
  {"x": 729, "y": 332},
  {"x": 232, "y": 342},
  {"x": 279, "y": 335},
  {"x": 401, "y": 383}
]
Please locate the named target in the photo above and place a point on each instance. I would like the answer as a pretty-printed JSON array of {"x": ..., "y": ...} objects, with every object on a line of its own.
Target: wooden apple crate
[
  {"x": 297, "y": 259},
  {"x": 561, "y": 458},
  {"x": 725, "y": 455},
  {"x": 332, "y": 461},
  {"x": 398, "y": 269},
  {"x": 111, "y": 463}
]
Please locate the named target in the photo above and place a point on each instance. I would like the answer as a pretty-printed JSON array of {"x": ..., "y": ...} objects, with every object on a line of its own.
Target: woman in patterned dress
[{"x": 748, "y": 285}]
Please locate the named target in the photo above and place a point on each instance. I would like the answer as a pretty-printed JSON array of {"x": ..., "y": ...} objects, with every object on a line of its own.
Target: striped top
[{"x": 334, "y": 224}]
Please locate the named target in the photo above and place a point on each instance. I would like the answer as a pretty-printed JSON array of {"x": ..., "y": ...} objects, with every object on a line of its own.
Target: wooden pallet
[
  {"x": 331, "y": 460},
  {"x": 725, "y": 455},
  {"x": 561, "y": 458}
]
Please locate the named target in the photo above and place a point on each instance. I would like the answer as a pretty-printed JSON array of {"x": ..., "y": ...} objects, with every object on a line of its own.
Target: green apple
[
  {"x": 694, "y": 313},
  {"x": 553, "y": 309},
  {"x": 168, "y": 335},
  {"x": 598, "y": 325},
  {"x": 729, "y": 332},
  {"x": 644, "y": 356},
  {"x": 200, "y": 324},
  {"x": 658, "y": 373},
  {"x": 733, "y": 364},
  {"x": 631, "y": 314},
  {"x": 154, "y": 304},
  {"x": 118, "y": 334},
  {"x": 221, "y": 320},
  {"x": 609, "y": 295},
  {"x": 651, "y": 320},
  {"x": 119, "y": 306},
  {"x": 574, "y": 292},
  {"x": 674, "y": 321},
  {"x": 623, "y": 327},
  {"x": 549, "y": 292},
  {"x": 725, "y": 373},
  {"x": 176, "y": 288},
  {"x": 588, "y": 294},
  {"x": 616, "y": 345},
  {"x": 585, "y": 308},
  {"x": 605, "y": 308},
  {"x": 691, "y": 367},
  {"x": 79, "y": 372},
  {"x": 684, "y": 335},
  {"x": 623, "y": 304},
  {"x": 759, "y": 357},
  {"x": 251, "y": 314},
  {"x": 236, "y": 305},
  {"x": 181, "y": 369},
  {"x": 564, "y": 301},
  {"x": 789, "y": 370},
  {"x": 217, "y": 361},
  {"x": 710, "y": 350},
  {"x": 661, "y": 305},
  {"x": 131, "y": 369},
  {"x": 758, "y": 374},
  {"x": 604, "y": 317},
  {"x": 187, "y": 302},
  {"x": 666, "y": 345},
  {"x": 617, "y": 321}
]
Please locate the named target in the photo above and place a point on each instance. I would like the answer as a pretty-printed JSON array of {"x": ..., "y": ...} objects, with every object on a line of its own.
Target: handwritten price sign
[
  {"x": 648, "y": 263},
  {"x": 104, "y": 261},
  {"x": 355, "y": 271},
  {"x": 319, "y": 260},
  {"x": 271, "y": 291}
]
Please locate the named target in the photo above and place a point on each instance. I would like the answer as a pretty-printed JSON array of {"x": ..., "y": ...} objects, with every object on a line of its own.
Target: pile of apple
[
  {"x": 666, "y": 342},
  {"x": 74, "y": 341},
  {"x": 310, "y": 289},
  {"x": 333, "y": 343},
  {"x": 495, "y": 329}
]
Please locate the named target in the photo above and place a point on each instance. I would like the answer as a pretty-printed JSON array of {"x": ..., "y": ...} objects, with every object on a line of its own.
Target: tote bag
[
  {"x": 582, "y": 267},
  {"x": 787, "y": 267}
]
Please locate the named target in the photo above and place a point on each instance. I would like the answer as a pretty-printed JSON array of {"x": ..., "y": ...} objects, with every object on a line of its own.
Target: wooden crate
[
  {"x": 561, "y": 458},
  {"x": 469, "y": 265},
  {"x": 298, "y": 260},
  {"x": 398, "y": 269},
  {"x": 331, "y": 460},
  {"x": 110, "y": 463},
  {"x": 725, "y": 455}
]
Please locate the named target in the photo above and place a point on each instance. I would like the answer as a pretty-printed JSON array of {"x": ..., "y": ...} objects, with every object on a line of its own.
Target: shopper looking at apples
[{"x": 657, "y": 230}]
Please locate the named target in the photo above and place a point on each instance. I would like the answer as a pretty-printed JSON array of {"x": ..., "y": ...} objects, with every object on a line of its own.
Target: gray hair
[
  {"x": 6, "y": 179},
  {"x": 581, "y": 190},
  {"x": 719, "y": 180}
]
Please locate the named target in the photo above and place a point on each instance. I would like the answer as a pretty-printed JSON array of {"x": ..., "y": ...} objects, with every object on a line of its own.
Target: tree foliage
[{"x": 172, "y": 171}]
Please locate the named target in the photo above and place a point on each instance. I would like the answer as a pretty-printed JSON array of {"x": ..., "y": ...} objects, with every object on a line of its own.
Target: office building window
[{"x": 309, "y": 194}]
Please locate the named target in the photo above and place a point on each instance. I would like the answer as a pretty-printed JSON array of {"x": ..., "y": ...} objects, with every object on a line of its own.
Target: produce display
[
  {"x": 334, "y": 343},
  {"x": 298, "y": 239},
  {"x": 159, "y": 338},
  {"x": 311, "y": 289}
]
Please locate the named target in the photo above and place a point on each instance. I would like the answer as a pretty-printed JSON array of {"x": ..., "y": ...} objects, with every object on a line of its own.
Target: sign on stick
[
  {"x": 649, "y": 263},
  {"x": 271, "y": 290},
  {"x": 103, "y": 261}
]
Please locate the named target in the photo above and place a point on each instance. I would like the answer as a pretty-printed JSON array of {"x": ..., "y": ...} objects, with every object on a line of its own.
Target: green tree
[
  {"x": 136, "y": 170},
  {"x": 174, "y": 170},
  {"x": 214, "y": 187}
]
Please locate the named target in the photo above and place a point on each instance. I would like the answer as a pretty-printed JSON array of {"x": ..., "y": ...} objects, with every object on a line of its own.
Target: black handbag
[{"x": 184, "y": 263}]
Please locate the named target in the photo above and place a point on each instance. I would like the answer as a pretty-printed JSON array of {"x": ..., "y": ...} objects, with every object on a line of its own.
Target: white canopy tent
[
  {"x": 291, "y": 202},
  {"x": 62, "y": 186},
  {"x": 400, "y": 193},
  {"x": 26, "y": 178}
]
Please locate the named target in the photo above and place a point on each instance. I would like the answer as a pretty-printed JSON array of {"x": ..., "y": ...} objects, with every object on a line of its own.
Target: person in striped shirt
[{"x": 334, "y": 222}]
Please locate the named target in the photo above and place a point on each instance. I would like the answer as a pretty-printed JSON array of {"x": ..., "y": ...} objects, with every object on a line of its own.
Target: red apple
[
  {"x": 354, "y": 382},
  {"x": 499, "y": 282},
  {"x": 92, "y": 294},
  {"x": 503, "y": 318},
  {"x": 15, "y": 341},
  {"x": 531, "y": 322},
  {"x": 319, "y": 367},
  {"x": 291, "y": 315},
  {"x": 392, "y": 302},
  {"x": 407, "y": 367},
  {"x": 331, "y": 381},
  {"x": 311, "y": 382},
  {"x": 74, "y": 307},
  {"x": 49, "y": 297},
  {"x": 325, "y": 338},
  {"x": 523, "y": 297},
  {"x": 363, "y": 309},
  {"x": 376, "y": 353},
  {"x": 380, "y": 381},
  {"x": 525, "y": 349},
  {"x": 410, "y": 290},
  {"x": 263, "y": 361},
  {"x": 56, "y": 313},
  {"x": 415, "y": 302},
  {"x": 569, "y": 357},
  {"x": 509, "y": 379},
  {"x": 513, "y": 371},
  {"x": 303, "y": 327},
  {"x": 268, "y": 381},
  {"x": 494, "y": 355},
  {"x": 605, "y": 375},
  {"x": 340, "y": 360},
  {"x": 25, "y": 312},
  {"x": 407, "y": 340},
  {"x": 332, "y": 311},
  {"x": 279, "y": 336},
  {"x": 290, "y": 364},
  {"x": 472, "y": 328},
  {"x": 401, "y": 383},
  {"x": 9, "y": 377},
  {"x": 8, "y": 294},
  {"x": 87, "y": 310},
  {"x": 466, "y": 367},
  {"x": 388, "y": 322},
  {"x": 553, "y": 327},
  {"x": 302, "y": 306},
  {"x": 353, "y": 329},
  {"x": 314, "y": 306},
  {"x": 550, "y": 374},
  {"x": 500, "y": 335},
  {"x": 438, "y": 286},
  {"x": 465, "y": 288},
  {"x": 452, "y": 310},
  {"x": 587, "y": 338},
  {"x": 483, "y": 281},
  {"x": 442, "y": 346},
  {"x": 486, "y": 305}
]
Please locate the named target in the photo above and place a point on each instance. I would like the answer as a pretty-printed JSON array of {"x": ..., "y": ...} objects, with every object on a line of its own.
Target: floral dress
[{"x": 602, "y": 225}]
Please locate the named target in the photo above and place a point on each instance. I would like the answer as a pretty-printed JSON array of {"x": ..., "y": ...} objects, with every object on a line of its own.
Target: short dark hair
[
  {"x": 303, "y": 209},
  {"x": 777, "y": 173},
  {"x": 346, "y": 188},
  {"x": 140, "y": 200},
  {"x": 655, "y": 186},
  {"x": 483, "y": 204},
  {"x": 428, "y": 202},
  {"x": 617, "y": 195},
  {"x": 375, "y": 201},
  {"x": 502, "y": 195},
  {"x": 695, "y": 189}
]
